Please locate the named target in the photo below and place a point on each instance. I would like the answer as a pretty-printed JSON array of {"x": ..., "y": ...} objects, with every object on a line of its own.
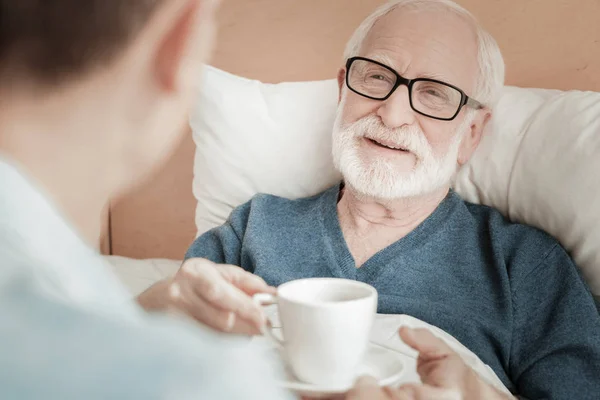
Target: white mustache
[{"x": 410, "y": 138}]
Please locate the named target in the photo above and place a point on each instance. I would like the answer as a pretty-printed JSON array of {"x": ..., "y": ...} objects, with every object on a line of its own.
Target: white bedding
[{"x": 138, "y": 275}]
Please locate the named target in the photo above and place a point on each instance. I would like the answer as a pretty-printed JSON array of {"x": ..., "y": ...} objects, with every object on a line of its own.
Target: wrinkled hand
[
  {"x": 444, "y": 375},
  {"x": 217, "y": 295}
]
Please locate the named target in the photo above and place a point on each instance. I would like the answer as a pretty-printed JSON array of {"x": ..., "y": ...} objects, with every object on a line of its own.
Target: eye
[
  {"x": 434, "y": 92},
  {"x": 378, "y": 77}
]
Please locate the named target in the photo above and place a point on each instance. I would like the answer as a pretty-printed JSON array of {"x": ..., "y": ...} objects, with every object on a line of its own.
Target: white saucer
[{"x": 384, "y": 365}]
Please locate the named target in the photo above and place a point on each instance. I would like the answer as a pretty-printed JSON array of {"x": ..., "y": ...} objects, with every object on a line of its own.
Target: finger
[
  {"x": 437, "y": 363},
  {"x": 335, "y": 397},
  {"x": 366, "y": 388},
  {"x": 217, "y": 318},
  {"x": 394, "y": 394},
  {"x": 244, "y": 327},
  {"x": 405, "y": 392},
  {"x": 245, "y": 281},
  {"x": 210, "y": 285},
  {"x": 230, "y": 298},
  {"x": 426, "y": 392},
  {"x": 426, "y": 343},
  {"x": 185, "y": 300},
  {"x": 446, "y": 372}
]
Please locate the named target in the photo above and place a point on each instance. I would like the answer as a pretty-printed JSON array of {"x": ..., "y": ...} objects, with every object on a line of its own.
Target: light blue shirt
[{"x": 69, "y": 330}]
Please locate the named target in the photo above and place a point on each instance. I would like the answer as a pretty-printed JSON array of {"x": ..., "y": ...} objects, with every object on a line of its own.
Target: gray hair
[{"x": 490, "y": 79}]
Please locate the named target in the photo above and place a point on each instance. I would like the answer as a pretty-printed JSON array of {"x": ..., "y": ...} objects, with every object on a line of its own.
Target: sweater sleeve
[
  {"x": 223, "y": 245},
  {"x": 555, "y": 351}
]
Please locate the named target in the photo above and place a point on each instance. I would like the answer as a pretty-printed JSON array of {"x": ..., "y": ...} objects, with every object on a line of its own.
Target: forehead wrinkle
[
  {"x": 384, "y": 59},
  {"x": 403, "y": 64}
]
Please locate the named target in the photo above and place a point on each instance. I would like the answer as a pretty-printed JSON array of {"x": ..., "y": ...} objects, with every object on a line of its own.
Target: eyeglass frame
[{"x": 400, "y": 80}]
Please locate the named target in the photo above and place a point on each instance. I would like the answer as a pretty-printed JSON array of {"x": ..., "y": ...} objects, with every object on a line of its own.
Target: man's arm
[
  {"x": 223, "y": 245},
  {"x": 556, "y": 333},
  {"x": 220, "y": 245}
]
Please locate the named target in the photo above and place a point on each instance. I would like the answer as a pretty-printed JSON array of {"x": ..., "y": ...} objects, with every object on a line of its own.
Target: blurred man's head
[
  {"x": 99, "y": 81},
  {"x": 420, "y": 79}
]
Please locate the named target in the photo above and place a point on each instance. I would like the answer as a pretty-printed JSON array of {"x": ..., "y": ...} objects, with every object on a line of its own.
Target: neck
[
  {"x": 43, "y": 136},
  {"x": 405, "y": 214}
]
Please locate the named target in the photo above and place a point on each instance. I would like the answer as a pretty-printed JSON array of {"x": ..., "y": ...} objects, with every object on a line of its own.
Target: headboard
[{"x": 546, "y": 43}]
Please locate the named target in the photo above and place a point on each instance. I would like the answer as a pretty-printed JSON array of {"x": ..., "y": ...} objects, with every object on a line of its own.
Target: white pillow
[
  {"x": 556, "y": 181},
  {"x": 253, "y": 137},
  {"x": 536, "y": 163},
  {"x": 485, "y": 179}
]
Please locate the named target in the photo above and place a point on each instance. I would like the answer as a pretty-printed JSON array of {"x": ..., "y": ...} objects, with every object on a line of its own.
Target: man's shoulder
[
  {"x": 512, "y": 240},
  {"x": 509, "y": 230},
  {"x": 523, "y": 247}
]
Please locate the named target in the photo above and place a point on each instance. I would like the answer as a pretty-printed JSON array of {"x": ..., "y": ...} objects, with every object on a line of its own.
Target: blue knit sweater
[{"x": 508, "y": 292}]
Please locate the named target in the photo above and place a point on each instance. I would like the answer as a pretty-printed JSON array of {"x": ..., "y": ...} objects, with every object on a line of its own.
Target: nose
[{"x": 396, "y": 112}]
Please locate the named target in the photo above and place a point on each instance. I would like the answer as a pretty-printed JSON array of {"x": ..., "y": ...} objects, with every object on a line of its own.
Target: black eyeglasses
[{"x": 428, "y": 97}]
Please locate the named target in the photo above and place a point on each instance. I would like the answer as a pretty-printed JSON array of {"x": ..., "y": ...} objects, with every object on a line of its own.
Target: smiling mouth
[{"x": 386, "y": 146}]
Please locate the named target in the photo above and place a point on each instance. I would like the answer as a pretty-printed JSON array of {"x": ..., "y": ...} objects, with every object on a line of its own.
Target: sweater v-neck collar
[{"x": 345, "y": 266}]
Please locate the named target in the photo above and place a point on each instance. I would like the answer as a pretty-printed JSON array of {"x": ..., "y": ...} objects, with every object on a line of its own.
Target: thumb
[
  {"x": 365, "y": 388},
  {"x": 426, "y": 343}
]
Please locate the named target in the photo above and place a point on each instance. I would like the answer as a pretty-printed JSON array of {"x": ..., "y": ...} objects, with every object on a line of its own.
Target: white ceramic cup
[{"x": 326, "y": 324}]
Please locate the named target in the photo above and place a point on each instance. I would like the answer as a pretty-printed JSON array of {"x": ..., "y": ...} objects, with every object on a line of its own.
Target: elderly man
[{"x": 416, "y": 90}]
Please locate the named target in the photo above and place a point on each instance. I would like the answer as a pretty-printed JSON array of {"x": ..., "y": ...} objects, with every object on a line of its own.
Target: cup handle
[{"x": 265, "y": 299}]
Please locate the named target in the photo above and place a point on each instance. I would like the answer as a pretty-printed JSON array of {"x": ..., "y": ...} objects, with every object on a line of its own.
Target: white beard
[{"x": 379, "y": 179}]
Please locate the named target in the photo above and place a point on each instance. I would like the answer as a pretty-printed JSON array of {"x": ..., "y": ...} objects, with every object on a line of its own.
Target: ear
[
  {"x": 473, "y": 136},
  {"x": 341, "y": 78},
  {"x": 176, "y": 56}
]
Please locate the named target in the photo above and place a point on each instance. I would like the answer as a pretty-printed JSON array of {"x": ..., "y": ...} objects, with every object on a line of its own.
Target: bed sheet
[{"x": 138, "y": 275}]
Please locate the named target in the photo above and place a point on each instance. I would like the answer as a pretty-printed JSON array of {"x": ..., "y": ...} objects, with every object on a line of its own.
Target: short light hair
[{"x": 490, "y": 79}]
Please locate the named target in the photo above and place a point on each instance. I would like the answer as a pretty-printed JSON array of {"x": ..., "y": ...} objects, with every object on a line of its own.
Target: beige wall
[{"x": 546, "y": 43}]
